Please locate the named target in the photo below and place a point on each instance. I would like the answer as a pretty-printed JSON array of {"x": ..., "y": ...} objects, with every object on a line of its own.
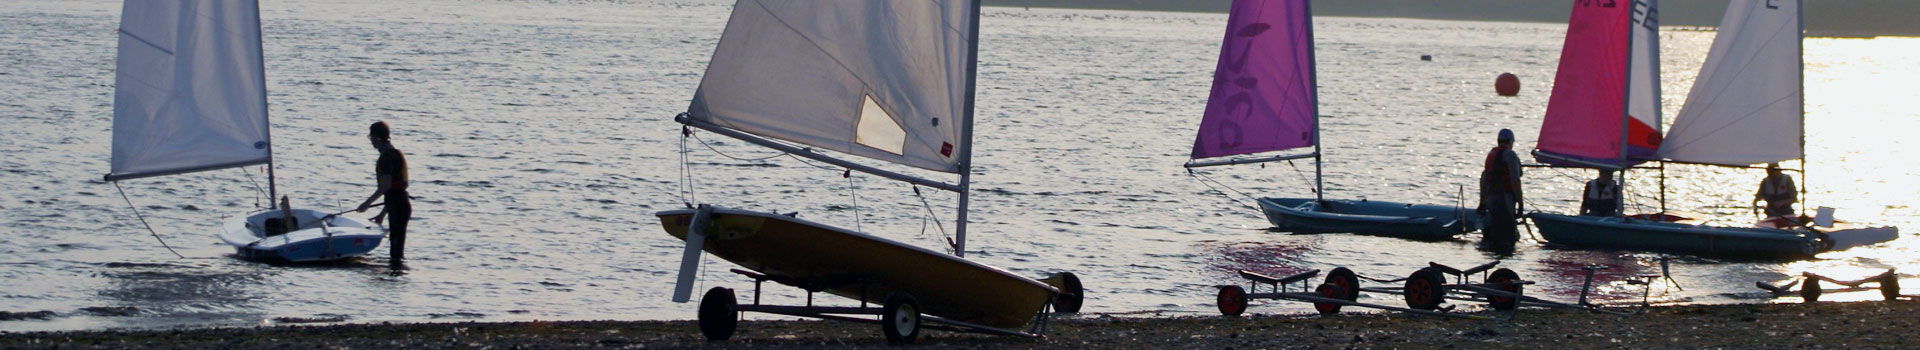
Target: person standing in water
[
  {"x": 391, "y": 173},
  {"x": 1500, "y": 196}
]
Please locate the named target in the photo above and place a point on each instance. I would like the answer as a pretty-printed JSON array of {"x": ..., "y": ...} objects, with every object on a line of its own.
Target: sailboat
[
  {"x": 1745, "y": 108},
  {"x": 1264, "y": 100},
  {"x": 891, "y": 81},
  {"x": 190, "y": 96}
]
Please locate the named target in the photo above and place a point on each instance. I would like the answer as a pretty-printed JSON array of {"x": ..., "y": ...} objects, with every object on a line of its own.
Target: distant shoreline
[
  {"x": 1825, "y": 18},
  {"x": 1872, "y": 324}
]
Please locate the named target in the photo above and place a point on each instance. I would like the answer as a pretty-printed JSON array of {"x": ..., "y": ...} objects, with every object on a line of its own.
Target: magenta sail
[
  {"x": 1263, "y": 93},
  {"x": 1587, "y": 111}
]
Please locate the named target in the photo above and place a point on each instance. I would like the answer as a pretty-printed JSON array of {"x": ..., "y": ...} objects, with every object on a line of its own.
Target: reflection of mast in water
[{"x": 169, "y": 294}]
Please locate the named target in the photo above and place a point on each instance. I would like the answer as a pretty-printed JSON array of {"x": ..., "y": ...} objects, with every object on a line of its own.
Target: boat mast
[
  {"x": 273, "y": 190},
  {"x": 966, "y": 130},
  {"x": 1313, "y": 77},
  {"x": 1800, "y": 17}
]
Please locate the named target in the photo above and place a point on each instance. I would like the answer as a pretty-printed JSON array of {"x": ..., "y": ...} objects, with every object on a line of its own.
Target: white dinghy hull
[{"x": 319, "y": 237}]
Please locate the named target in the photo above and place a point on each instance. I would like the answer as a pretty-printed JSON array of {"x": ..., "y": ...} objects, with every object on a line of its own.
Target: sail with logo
[
  {"x": 1264, "y": 107},
  {"x": 1744, "y": 109}
]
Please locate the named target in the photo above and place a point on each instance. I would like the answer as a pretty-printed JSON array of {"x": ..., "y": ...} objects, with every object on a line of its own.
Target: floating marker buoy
[
  {"x": 1426, "y": 57},
  {"x": 1507, "y": 84}
]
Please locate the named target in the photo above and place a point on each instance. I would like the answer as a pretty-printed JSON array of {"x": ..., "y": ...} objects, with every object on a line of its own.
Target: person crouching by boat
[
  {"x": 1602, "y": 196},
  {"x": 1778, "y": 191},
  {"x": 1500, "y": 196},
  {"x": 391, "y": 172}
]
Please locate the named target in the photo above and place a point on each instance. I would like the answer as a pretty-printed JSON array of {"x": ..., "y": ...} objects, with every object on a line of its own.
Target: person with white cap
[{"x": 1500, "y": 195}]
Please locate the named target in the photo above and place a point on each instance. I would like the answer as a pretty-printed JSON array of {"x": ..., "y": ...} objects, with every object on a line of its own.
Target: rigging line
[
  {"x": 1303, "y": 176},
  {"x": 143, "y": 220},
  {"x": 256, "y": 188},
  {"x": 686, "y": 185},
  {"x": 703, "y": 142},
  {"x": 853, "y": 192},
  {"x": 1204, "y": 180},
  {"x": 930, "y": 216}
]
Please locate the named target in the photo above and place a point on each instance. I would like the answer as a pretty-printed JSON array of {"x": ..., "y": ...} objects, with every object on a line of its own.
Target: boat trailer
[
  {"x": 1887, "y": 282},
  {"x": 1424, "y": 291}
]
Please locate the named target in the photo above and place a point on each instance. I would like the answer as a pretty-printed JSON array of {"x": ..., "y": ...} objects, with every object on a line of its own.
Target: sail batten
[
  {"x": 830, "y": 74},
  {"x": 189, "y": 88},
  {"x": 1745, "y": 107},
  {"x": 1263, "y": 97}
]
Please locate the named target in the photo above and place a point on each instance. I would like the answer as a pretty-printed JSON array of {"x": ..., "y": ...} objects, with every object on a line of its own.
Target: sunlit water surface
[{"x": 540, "y": 139}]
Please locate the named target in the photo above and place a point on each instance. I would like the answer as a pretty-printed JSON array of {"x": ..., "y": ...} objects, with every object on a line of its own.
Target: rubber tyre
[
  {"x": 1232, "y": 300},
  {"x": 719, "y": 314},
  {"x": 1072, "y": 294},
  {"x": 1425, "y": 289},
  {"x": 1329, "y": 291},
  {"x": 1504, "y": 280},
  {"x": 900, "y": 319},
  {"x": 1810, "y": 290},
  {"x": 1890, "y": 287},
  {"x": 1348, "y": 282}
]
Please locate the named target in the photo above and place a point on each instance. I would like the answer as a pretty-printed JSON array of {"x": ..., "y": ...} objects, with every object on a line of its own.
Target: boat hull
[
  {"x": 862, "y": 267},
  {"x": 1709, "y": 241},
  {"x": 316, "y": 240},
  {"x": 1376, "y": 218}
]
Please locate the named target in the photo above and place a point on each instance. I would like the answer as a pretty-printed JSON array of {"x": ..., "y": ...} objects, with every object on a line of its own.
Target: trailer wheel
[
  {"x": 719, "y": 314},
  {"x": 1425, "y": 289},
  {"x": 900, "y": 318},
  {"x": 1810, "y": 291},
  {"x": 1504, "y": 280},
  {"x": 1329, "y": 291},
  {"x": 1348, "y": 282},
  {"x": 1072, "y": 294},
  {"x": 1232, "y": 300},
  {"x": 1890, "y": 287}
]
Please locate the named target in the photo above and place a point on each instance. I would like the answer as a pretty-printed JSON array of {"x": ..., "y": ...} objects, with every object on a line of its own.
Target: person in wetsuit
[
  {"x": 1500, "y": 196},
  {"x": 391, "y": 172}
]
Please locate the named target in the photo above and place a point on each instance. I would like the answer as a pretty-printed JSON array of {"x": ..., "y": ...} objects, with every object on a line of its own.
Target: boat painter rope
[{"x": 143, "y": 220}]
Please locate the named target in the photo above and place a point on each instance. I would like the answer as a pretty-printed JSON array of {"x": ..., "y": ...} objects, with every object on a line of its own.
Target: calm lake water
[{"x": 541, "y": 140}]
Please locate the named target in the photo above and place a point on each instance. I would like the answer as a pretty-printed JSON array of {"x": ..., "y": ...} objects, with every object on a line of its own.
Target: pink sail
[
  {"x": 1263, "y": 93},
  {"x": 1587, "y": 111}
]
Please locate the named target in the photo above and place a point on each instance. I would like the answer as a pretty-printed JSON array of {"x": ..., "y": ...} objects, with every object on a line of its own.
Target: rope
[
  {"x": 853, "y": 192},
  {"x": 259, "y": 192},
  {"x": 930, "y": 217},
  {"x": 687, "y": 196},
  {"x": 1210, "y": 183},
  {"x": 703, "y": 142},
  {"x": 1303, "y": 176},
  {"x": 143, "y": 220}
]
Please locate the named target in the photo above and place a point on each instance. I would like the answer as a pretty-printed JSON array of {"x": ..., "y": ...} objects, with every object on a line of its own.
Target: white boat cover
[
  {"x": 882, "y": 79},
  {"x": 190, "y": 91},
  {"x": 1745, "y": 108}
]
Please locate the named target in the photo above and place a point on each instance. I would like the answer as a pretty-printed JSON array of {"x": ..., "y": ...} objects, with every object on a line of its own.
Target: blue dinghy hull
[
  {"x": 1709, "y": 241},
  {"x": 1374, "y": 218}
]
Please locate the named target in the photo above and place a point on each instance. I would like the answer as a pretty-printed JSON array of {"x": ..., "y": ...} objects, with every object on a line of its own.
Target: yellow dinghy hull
[{"x": 850, "y": 264}]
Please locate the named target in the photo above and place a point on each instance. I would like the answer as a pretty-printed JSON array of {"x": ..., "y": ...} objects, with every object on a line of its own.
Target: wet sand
[{"x": 1856, "y": 325}]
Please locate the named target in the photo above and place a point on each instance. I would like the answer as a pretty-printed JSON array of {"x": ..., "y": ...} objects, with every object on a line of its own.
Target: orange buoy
[{"x": 1507, "y": 84}]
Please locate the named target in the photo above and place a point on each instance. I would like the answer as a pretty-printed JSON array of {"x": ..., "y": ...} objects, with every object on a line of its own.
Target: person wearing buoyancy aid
[
  {"x": 1500, "y": 194},
  {"x": 1602, "y": 196},
  {"x": 1778, "y": 192},
  {"x": 391, "y": 174}
]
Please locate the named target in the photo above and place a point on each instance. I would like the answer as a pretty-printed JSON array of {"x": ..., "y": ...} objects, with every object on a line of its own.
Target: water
[{"x": 541, "y": 141}]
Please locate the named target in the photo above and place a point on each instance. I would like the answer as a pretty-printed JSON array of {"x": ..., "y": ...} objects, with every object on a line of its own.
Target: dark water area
[{"x": 541, "y": 140}]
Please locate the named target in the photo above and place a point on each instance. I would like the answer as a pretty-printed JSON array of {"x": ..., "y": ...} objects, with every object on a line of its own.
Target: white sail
[
  {"x": 1643, "y": 75},
  {"x": 881, "y": 79},
  {"x": 1745, "y": 108},
  {"x": 190, "y": 90}
]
